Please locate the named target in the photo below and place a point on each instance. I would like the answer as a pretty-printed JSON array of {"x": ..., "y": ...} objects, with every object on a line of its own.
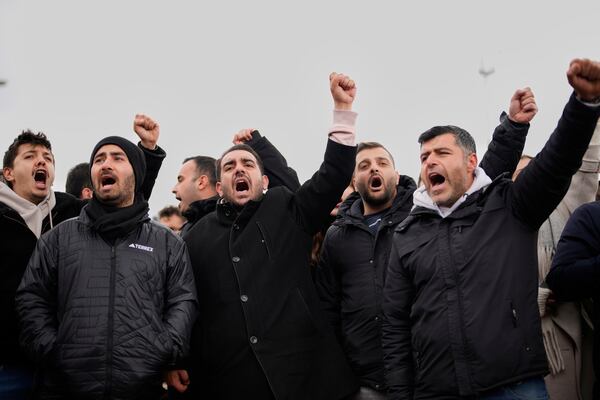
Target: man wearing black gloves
[{"x": 108, "y": 300}]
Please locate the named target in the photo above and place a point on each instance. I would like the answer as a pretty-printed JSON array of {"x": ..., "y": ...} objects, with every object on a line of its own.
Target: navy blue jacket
[{"x": 575, "y": 272}]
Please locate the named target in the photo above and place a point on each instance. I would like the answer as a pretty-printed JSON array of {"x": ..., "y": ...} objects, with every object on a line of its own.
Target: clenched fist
[
  {"x": 584, "y": 76},
  {"x": 343, "y": 91},
  {"x": 243, "y": 136},
  {"x": 147, "y": 130},
  {"x": 522, "y": 106}
]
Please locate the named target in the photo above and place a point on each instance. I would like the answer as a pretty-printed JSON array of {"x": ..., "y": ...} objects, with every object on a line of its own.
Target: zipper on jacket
[
  {"x": 109, "y": 334},
  {"x": 461, "y": 322}
]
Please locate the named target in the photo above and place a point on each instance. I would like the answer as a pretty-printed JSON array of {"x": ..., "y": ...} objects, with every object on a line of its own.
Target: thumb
[{"x": 184, "y": 377}]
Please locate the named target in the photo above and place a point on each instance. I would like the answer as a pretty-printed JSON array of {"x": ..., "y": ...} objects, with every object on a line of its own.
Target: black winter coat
[
  {"x": 261, "y": 333},
  {"x": 17, "y": 243},
  {"x": 106, "y": 320},
  {"x": 353, "y": 266},
  {"x": 575, "y": 273},
  {"x": 460, "y": 299}
]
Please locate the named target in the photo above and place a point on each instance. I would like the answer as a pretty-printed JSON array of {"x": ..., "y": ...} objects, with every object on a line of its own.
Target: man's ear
[
  {"x": 471, "y": 163},
  {"x": 201, "y": 183},
  {"x": 86, "y": 193},
  {"x": 8, "y": 174},
  {"x": 219, "y": 189},
  {"x": 265, "y": 182},
  {"x": 397, "y": 178}
]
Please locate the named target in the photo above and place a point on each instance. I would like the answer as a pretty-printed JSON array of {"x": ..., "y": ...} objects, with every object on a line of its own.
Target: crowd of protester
[{"x": 479, "y": 282}]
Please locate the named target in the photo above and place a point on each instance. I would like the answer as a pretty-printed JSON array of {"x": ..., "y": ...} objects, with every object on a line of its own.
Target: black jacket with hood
[
  {"x": 353, "y": 265},
  {"x": 460, "y": 298}
]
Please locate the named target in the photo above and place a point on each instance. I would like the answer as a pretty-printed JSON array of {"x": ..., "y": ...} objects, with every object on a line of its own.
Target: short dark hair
[
  {"x": 26, "y": 137},
  {"x": 243, "y": 147},
  {"x": 373, "y": 145},
  {"x": 205, "y": 166},
  {"x": 78, "y": 179},
  {"x": 169, "y": 211},
  {"x": 462, "y": 137}
]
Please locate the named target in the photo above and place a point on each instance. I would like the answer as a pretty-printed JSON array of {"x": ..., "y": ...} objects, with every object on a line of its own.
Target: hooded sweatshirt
[
  {"x": 421, "y": 197},
  {"x": 32, "y": 214}
]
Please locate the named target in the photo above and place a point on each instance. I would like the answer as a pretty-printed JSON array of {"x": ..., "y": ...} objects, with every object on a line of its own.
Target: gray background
[{"x": 79, "y": 70}]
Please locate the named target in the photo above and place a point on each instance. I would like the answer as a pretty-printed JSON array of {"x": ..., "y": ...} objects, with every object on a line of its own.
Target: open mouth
[
  {"x": 376, "y": 182},
  {"x": 436, "y": 179},
  {"x": 40, "y": 175},
  {"x": 107, "y": 181},
  {"x": 241, "y": 185}
]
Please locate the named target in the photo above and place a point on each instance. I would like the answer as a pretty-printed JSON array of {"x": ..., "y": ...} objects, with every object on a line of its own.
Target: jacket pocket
[{"x": 264, "y": 238}]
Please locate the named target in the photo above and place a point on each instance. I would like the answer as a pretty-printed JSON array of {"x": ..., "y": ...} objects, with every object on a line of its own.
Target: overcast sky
[{"x": 80, "y": 70}]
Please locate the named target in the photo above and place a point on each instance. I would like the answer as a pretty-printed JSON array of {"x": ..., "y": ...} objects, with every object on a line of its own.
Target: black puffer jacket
[
  {"x": 105, "y": 321},
  {"x": 353, "y": 266},
  {"x": 460, "y": 298},
  {"x": 17, "y": 243}
]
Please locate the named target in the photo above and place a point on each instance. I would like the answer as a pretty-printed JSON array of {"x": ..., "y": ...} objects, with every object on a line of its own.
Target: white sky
[{"x": 79, "y": 70}]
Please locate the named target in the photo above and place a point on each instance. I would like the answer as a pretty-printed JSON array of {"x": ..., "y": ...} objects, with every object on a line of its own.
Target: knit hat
[{"x": 134, "y": 154}]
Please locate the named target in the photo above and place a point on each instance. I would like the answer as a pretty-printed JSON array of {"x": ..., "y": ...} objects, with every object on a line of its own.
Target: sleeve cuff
[{"x": 343, "y": 129}]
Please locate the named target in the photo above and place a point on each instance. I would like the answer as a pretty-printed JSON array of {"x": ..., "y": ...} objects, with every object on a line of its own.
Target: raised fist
[
  {"x": 243, "y": 136},
  {"x": 147, "y": 130},
  {"x": 584, "y": 76},
  {"x": 343, "y": 91},
  {"x": 522, "y": 107}
]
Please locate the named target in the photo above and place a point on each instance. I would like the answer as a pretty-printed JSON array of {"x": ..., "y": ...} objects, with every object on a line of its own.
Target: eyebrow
[
  {"x": 35, "y": 151},
  {"x": 243, "y": 159},
  {"x": 436, "y": 149},
  {"x": 112, "y": 153}
]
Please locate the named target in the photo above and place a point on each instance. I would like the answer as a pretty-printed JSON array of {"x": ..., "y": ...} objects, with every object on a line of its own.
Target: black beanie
[{"x": 134, "y": 154}]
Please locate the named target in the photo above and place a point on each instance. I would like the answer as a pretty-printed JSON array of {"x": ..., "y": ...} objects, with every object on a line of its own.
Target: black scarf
[{"x": 116, "y": 222}]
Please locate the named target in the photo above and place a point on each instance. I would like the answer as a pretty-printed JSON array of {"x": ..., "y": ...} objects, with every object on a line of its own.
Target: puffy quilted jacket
[{"x": 105, "y": 321}]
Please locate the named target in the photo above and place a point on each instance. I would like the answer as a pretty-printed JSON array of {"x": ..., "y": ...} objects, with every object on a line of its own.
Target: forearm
[
  {"x": 274, "y": 163},
  {"x": 506, "y": 147},
  {"x": 542, "y": 185},
  {"x": 343, "y": 130},
  {"x": 154, "y": 159}
]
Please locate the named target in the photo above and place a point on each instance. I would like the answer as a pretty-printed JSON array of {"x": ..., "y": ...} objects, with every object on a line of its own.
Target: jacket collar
[
  {"x": 421, "y": 197},
  {"x": 200, "y": 208},
  {"x": 32, "y": 214},
  {"x": 352, "y": 209},
  {"x": 473, "y": 204},
  {"x": 228, "y": 214}
]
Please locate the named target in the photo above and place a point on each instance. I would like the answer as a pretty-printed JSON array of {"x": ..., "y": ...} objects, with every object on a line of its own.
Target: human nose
[
  {"x": 106, "y": 164},
  {"x": 40, "y": 160}
]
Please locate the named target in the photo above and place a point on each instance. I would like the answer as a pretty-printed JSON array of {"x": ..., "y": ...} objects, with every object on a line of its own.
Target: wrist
[
  {"x": 594, "y": 101},
  {"x": 342, "y": 106},
  {"x": 149, "y": 145}
]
